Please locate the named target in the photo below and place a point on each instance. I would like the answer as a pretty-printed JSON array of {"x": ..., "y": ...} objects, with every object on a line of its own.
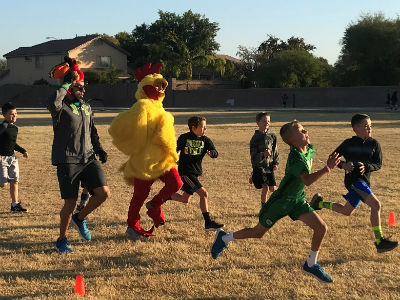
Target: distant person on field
[
  {"x": 264, "y": 156},
  {"x": 284, "y": 99},
  {"x": 362, "y": 156},
  {"x": 289, "y": 200},
  {"x": 394, "y": 100},
  {"x": 193, "y": 146},
  {"x": 74, "y": 153},
  {"x": 9, "y": 162}
]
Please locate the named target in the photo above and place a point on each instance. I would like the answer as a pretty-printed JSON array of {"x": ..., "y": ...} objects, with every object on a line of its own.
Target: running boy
[
  {"x": 9, "y": 162},
  {"x": 264, "y": 156},
  {"x": 362, "y": 156},
  {"x": 289, "y": 200},
  {"x": 193, "y": 146}
]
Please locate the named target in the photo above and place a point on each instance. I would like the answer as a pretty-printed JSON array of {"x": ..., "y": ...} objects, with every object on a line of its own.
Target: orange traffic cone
[
  {"x": 79, "y": 286},
  {"x": 392, "y": 219}
]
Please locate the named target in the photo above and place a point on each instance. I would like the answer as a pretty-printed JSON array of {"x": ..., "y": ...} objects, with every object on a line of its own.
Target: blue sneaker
[
  {"x": 62, "y": 246},
  {"x": 317, "y": 271},
  {"x": 82, "y": 228},
  {"x": 218, "y": 245}
]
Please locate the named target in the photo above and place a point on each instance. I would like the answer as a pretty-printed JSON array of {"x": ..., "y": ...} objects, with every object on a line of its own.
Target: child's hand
[
  {"x": 348, "y": 166},
  {"x": 267, "y": 152},
  {"x": 209, "y": 153},
  {"x": 275, "y": 167},
  {"x": 361, "y": 167},
  {"x": 333, "y": 160},
  {"x": 25, "y": 154}
]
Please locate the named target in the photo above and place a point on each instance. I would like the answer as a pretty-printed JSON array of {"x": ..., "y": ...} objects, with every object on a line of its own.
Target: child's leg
[
  {"x": 222, "y": 238},
  {"x": 375, "y": 206},
  {"x": 203, "y": 194},
  {"x": 318, "y": 203},
  {"x": 14, "y": 191},
  {"x": 319, "y": 227},
  {"x": 264, "y": 193},
  {"x": 255, "y": 232},
  {"x": 184, "y": 198}
]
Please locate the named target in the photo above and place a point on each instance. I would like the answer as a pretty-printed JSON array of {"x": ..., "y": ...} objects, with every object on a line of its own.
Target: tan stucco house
[{"x": 25, "y": 65}]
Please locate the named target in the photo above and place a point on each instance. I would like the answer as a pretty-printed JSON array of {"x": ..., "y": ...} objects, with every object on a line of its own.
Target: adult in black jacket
[{"x": 74, "y": 151}]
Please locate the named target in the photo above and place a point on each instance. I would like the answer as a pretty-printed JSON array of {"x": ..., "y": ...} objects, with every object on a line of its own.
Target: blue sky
[{"x": 246, "y": 22}]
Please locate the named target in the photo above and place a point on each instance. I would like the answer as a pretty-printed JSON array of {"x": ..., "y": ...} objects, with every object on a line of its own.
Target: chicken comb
[{"x": 147, "y": 69}]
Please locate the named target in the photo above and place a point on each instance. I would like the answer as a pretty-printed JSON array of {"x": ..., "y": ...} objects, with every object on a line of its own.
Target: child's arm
[
  {"x": 210, "y": 148},
  {"x": 275, "y": 153},
  {"x": 376, "y": 161},
  {"x": 331, "y": 163}
]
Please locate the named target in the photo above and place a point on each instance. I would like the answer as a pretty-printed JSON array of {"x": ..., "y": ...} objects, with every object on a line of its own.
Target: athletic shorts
[
  {"x": 261, "y": 179},
  {"x": 190, "y": 184},
  {"x": 9, "y": 169},
  {"x": 90, "y": 175},
  {"x": 358, "y": 192},
  {"x": 276, "y": 208}
]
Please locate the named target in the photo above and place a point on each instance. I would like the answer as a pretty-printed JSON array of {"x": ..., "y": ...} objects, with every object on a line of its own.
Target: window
[
  {"x": 39, "y": 62},
  {"x": 104, "y": 61}
]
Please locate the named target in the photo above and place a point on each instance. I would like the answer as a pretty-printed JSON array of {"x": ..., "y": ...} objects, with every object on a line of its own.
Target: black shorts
[
  {"x": 261, "y": 178},
  {"x": 91, "y": 176},
  {"x": 190, "y": 184}
]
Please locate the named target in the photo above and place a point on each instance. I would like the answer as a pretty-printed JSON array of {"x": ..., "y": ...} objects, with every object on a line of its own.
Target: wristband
[{"x": 328, "y": 169}]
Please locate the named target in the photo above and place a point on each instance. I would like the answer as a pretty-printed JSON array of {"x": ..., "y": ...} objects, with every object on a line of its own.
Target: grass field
[{"x": 175, "y": 263}]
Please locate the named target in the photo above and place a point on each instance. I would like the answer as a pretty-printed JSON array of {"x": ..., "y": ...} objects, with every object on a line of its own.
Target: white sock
[
  {"x": 312, "y": 258},
  {"x": 228, "y": 237},
  {"x": 14, "y": 204}
]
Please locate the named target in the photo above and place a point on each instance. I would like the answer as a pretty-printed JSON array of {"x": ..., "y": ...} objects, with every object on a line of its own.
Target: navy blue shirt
[{"x": 8, "y": 139}]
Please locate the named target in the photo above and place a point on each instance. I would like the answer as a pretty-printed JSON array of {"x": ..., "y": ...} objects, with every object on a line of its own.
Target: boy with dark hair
[
  {"x": 264, "y": 156},
  {"x": 289, "y": 200},
  {"x": 9, "y": 162},
  {"x": 193, "y": 146},
  {"x": 362, "y": 156}
]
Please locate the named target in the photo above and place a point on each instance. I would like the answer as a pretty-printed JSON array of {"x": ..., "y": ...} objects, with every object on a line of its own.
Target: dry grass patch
[{"x": 175, "y": 264}]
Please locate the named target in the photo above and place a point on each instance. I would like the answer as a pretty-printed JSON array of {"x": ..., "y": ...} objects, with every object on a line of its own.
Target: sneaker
[
  {"x": 209, "y": 226},
  {"x": 385, "y": 245},
  {"x": 132, "y": 235},
  {"x": 78, "y": 208},
  {"x": 82, "y": 228},
  {"x": 62, "y": 246},
  {"x": 317, "y": 271},
  {"x": 316, "y": 199},
  {"x": 18, "y": 208},
  {"x": 218, "y": 245}
]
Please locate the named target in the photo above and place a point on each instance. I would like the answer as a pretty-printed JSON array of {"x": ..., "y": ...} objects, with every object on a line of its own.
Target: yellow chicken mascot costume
[{"x": 146, "y": 134}]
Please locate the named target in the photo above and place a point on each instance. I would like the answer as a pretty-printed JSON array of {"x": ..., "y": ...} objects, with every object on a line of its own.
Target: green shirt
[{"x": 291, "y": 186}]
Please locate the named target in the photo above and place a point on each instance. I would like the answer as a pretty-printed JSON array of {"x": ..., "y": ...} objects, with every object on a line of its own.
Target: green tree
[
  {"x": 370, "y": 53},
  {"x": 294, "y": 68},
  {"x": 178, "y": 41},
  {"x": 3, "y": 64}
]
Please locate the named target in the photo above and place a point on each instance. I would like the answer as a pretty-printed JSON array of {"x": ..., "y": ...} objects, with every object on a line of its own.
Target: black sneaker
[
  {"x": 18, "y": 208},
  {"x": 385, "y": 245},
  {"x": 316, "y": 199},
  {"x": 212, "y": 225}
]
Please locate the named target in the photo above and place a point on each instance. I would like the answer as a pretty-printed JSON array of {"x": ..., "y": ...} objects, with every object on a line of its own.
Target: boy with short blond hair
[
  {"x": 264, "y": 156},
  {"x": 289, "y": 200},
  {"x": 362, "y": 156},
  {"x": 9, "y": 162}
]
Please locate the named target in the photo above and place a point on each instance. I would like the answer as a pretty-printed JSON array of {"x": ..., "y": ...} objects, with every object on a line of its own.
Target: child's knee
[{"x": 322, "y": 228}]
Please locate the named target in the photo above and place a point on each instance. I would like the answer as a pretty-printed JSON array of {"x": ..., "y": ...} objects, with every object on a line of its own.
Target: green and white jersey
[{"x": 291, "y": 187}]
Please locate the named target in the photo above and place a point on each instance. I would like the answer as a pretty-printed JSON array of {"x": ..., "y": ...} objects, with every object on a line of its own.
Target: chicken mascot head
[{"x": 146, "y": 134}]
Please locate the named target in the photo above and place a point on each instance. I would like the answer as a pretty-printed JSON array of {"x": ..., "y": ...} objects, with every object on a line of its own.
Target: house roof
[
  {"x": 227, "y": 57},
  {"x": 58, "y": 47}
]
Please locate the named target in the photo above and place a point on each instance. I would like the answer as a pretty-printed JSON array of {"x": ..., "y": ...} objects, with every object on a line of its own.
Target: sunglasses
[{"x": 79, "y": 87}]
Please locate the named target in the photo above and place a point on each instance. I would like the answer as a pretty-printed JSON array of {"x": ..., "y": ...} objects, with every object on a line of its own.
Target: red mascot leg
[
  {"x": 173, "y": 183},
  {"x": 140, "y": 192}
]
